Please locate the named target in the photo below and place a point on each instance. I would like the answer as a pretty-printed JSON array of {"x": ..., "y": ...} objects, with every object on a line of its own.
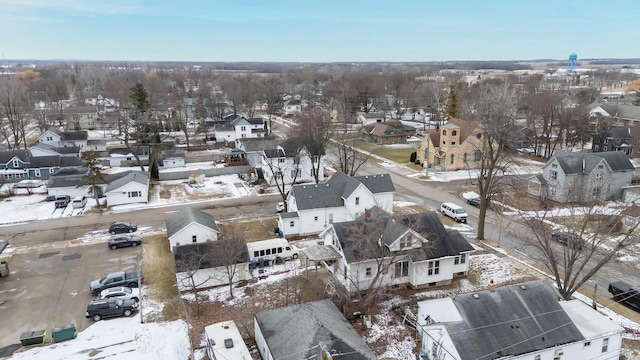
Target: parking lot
[{"x": 49, "y": 285}]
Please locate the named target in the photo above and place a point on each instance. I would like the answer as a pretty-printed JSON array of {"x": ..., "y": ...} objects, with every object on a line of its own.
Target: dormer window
[{"x": 15, "y": 163}]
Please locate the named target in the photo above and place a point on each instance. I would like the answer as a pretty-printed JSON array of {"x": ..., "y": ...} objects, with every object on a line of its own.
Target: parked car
[
  {"x": 79, "y": 202},
  {"x": 100, "y": 309},
  {"x": 280, "y": 207},
  {"x": 568, "y": 239},
  {"x": 50, "y": 198},
  {"x": 475, "y": 201},
  {"x": 122, "y": 227},
  {"x": 124, "y": 293},
  {"x": 453, "y": 211},
  {"x": 124, "y": 240},
  {"x": 116, "y": 279},
  {"x": 625, "y": 293},
  {"x": 62, "y": 201}
]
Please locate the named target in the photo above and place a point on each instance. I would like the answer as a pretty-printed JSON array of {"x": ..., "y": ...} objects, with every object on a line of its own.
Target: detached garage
[{"x": 130, "y": 189}]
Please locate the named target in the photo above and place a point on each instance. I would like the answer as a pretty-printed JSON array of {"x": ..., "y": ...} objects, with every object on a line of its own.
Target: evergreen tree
[
  {"x": 451, "y": 109},
  {"x": 94, "y": 176},
  {"x": 139, "y": 99}
]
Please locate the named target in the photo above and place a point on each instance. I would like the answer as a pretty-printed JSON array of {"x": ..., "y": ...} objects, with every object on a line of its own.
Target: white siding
[
  {"x": 261, "y": 343},
  {"x": 186, "y": 234},
  {"x": 208, "y": 278},
  {"x": 121, "y": 196}
]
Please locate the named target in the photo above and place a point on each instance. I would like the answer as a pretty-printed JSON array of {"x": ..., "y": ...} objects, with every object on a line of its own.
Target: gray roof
[
  {"x": 7, "y": 155},
  {"x": 54, "y": 161},
  {"x": 58, "y": 182},
  {"x": 289, "y": 215},
  {"x": 224, "y": 127},
  {"x": 383, "y": 226},
  {"x": 372, "y": 115},
  {"x": 511, "y": 321},
  {"x": 253, "y": 144},
  {"x": 58, "y": 149},
  {"x": 578, "y": 163},
  {"x": 256, "y": 121},
  {"x": 622, "y": 111},
  {"x": 339, "y": 187},
  {"x": 294, "y": 102},
  {"x": 74, "y": 135},
  {"x": 185, "y": 217},
  {"x": 133, "y": 176},
  {"x": 309, "y": 324},
  {"x": 206, "y": 255}
]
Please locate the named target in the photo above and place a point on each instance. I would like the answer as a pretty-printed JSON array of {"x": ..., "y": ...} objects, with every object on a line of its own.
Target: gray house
[
  {"x": 576, "y": 177},
  {"x": 309, "y": 324}
]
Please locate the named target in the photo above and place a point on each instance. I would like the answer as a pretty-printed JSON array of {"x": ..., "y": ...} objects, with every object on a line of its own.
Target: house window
[
  {"x": 587, "y": 343},
  {"x": 52, "y": 170},
  {"x": 444, "y": 142},
  {"x": 402, "y": 269},
  {"x": 452, "y": 158},
  {"x": 456, "y": 260},
  {"x": 444, "y": 132},
  {"x": 314, "y": 159},
  {"x": 463, "y": 258},
  {"x": 434, "y": 267},
  {"x": 194, "y": 238},
  {"x": 315, "y": 218},
  {"x": 553, "y": 175},
  {"x": 476, "y": 155},
  {"x": 453, "y": 143},
  {"x": 281, "y": 160},
  {"x": 595, "y": 192},
  {"x": 357, "y": 201},
  {"x": 49, "y": 138},
  {"x": 368, "y": 272},
  {"x": 15, "y": 163},
  {"x": 406, "y": 241},
  {"x": 133, "y": 194},
  {"x": 243, "y": 128},
  {"x": 537, "y": 357},
  {"x": 552, "y": 190},
  {"x": 292, "y": 223},
  {"x": 454, "y": 133},
  {"x": 37, "y": 172},
  {"x": 605, "y": 345},
  {"x": 599, "y": 177},
  {"x": 554, "y": 165},
  {"x": 464, "y": 157},
  {"x": 330, "y": 218}
]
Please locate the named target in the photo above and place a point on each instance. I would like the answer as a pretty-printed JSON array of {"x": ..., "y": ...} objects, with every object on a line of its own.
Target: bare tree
[
  {"x": 495, "y": 109},
  {"x": 15, "y": 106},
  {"x": 272, "y": 93},
  {"x": 192, "y": 270},
  {"x": 230, "y": 251},
  {"x": 350, "y": 157},
  {"x": 282, "y": 166},
  {"x": 313, "y": 131}
]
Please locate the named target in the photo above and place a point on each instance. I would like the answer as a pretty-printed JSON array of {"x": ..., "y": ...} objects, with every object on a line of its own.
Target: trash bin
[
  {"x": 62, "y": 333},
  {"x": 33, "y": 337},
  {"x": 276, "y": 230}
]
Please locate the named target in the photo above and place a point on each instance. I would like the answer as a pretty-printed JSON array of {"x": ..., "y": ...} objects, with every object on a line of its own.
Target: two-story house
[
  {"x": 312, "y": 208},
  {"x": 527, "y": 321},
  {"x": 292, "y": 161},
  {"x": 456, "y": 145},
  {"x": 577, "y": 177},
  {"x": 65, "y": 138},
  {"x": 13, "y": 164},
  {"x": 293, "y": 106},
  {"x": 17, "y": 165},
  {"x": 248, "y": 128},
  {"x": 379, "y": 249}
]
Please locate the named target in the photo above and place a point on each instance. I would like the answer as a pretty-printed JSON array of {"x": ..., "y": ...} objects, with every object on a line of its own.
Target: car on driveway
[
  {"x": 100, "y": 309},
  {"x": 123, "y": 292},
  {"x": 569, "y": 239},
  {"x": 280, "y": 207},
  {"x": 124, "y": 240},
  {"x": 475, "y": 201},
  {"x": 122, "y": 227},
  {"x": 62, "y": 201}
]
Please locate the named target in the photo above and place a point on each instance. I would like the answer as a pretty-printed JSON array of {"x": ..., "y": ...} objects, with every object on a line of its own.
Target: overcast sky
[{"x": 318, "y": 31}]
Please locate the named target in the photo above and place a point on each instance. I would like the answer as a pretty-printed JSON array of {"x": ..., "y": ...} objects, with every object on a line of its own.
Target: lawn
[{"x": 399, "y": 155}]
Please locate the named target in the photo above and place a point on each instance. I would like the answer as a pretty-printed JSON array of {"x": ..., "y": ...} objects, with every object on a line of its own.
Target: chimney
[
  {"x": 367, "y": 214},
  {"x": 492, "y": 286}
]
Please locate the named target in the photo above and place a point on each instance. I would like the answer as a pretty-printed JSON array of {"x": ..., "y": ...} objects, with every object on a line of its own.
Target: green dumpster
[
  {"x": 36, "y": 337},
  {"x": 63, "y": 333}
]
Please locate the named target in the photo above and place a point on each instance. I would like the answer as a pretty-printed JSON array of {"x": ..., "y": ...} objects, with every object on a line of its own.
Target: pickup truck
[
  {"x": 625, "y": 294},
  {"x": 119, "y": 278}
]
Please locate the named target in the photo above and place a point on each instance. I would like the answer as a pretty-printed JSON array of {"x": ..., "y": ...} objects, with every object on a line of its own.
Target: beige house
[{"x": 454, "y": 146}]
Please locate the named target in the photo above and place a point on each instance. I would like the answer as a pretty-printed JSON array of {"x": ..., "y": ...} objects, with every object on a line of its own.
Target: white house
[
  {"x": 224, "y": 342},
  {"x": 124, "y": 157},
  {"x": 522, "y": 321},
  {"x": 369, "y": 118},
  {"x": 202, "y": 266},
  {"x": 191, "y": 226},
  {"x": 414, "y": 250},
  {"x": 248, "y": 128},
  {"x": 43, "y": 149},
  {"x": 293, "y": 106},
  {"x": 225, "y": 132},
  {"x": 299, "y": 329},
  {"x": 293, "y": 161},
  {"x": 569, "y": 176},
  {"x": 311, "y": 208},
  {"x": 64, "y": 139},
  {"x": 130, "y": 189}
]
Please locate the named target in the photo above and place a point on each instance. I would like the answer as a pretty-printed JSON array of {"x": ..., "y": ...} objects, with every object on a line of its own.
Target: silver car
[{"x": 123, "y": 292}]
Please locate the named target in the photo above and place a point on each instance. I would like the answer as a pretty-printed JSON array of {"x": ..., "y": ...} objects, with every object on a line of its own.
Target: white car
[
  {"x": 280, "y": 207},
  {"x": 123, "y": 292}
]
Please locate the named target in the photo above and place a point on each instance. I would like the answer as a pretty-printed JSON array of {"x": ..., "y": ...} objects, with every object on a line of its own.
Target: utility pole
[
  {"x": 595, "y": 290},
  {"x": 426, "y": 159},
  {"x": 139, "y": 287}
]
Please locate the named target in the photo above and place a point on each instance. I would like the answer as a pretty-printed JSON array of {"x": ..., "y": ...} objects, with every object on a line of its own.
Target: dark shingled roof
[
  {"x": 577, "y": 163},
  {"x": 207, "y": 255},
  {"x": 256, "y": 121},
  {"x": 252, "y": 144},
  {"x": 56, "y": 182},
  {"x": 54, "y": 161},
  {"x": 339, "y": 186},
  {"x": 383, "y": 226},
  {"x": 74, "y": 135},
  {"x": 511, "y": 321},
  {"x": 185, "y": 217},
  {"x": 136, "y": 176},
  {"x": 7, "y": 155},
  {"x": 309, "y": 324},
  {"x": 294, "y": 102}
]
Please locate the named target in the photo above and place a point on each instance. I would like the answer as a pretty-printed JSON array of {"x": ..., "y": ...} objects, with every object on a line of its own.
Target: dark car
[
  {"x": 62, "y": 201},
  {"x": 122, "y": 227},
  {"x": 474, "y": 201},
  {"x": 50, "y": 198},
  {"x": 123, "y": 241},
  {"x": 100, "y": 309},
  {"x": 568, "y": 239}
]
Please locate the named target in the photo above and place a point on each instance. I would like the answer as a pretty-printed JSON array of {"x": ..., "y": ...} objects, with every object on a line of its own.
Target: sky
[{"x": 317, "y": 31}]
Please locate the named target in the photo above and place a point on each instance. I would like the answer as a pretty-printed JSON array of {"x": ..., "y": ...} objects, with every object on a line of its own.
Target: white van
[
  {"x": 270, "y": 249},
  {"x": 79, "y": 202},
  {"x": 453, "y": 211}
]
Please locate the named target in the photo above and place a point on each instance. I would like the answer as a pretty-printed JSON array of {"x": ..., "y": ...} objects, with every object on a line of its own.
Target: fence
[{"x": 208, "y": 172}]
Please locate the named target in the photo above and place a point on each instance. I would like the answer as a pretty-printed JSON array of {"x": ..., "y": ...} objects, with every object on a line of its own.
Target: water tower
[{"x": 573, "y": 60}]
